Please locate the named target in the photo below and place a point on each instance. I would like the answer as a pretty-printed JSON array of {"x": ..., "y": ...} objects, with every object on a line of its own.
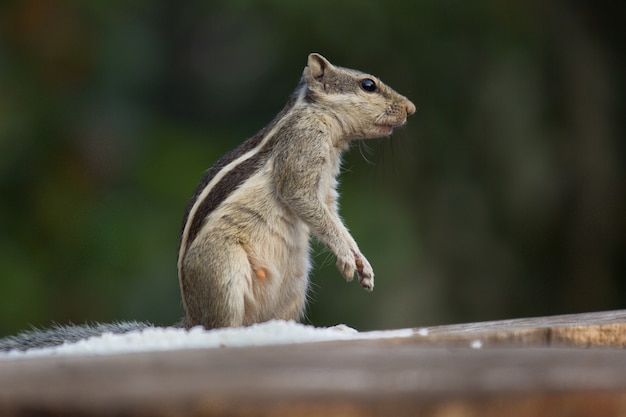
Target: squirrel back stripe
[
  {"x": 220, "y": 191},
  {"x": 229, "y": 172}
]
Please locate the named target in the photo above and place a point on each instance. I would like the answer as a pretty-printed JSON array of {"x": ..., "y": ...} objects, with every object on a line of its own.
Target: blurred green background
[{"x": 503, "y": 197}]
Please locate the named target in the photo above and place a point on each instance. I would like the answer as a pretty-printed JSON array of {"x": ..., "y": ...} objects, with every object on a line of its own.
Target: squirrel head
[{"x": 366, "y": 107}]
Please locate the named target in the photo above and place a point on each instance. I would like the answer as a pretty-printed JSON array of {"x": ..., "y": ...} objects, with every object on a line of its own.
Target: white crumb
[
  {"x": 476, "y": 344},
  {"x": 274, "y": 332},
  {"x": 344, "y": 328},
  {"x": 423, "y": 331}
]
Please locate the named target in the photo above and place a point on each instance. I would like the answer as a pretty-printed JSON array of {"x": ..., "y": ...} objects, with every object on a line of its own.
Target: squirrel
[
  {"x": 243, "y": 253},
  {"x": 244, "y": 249}
]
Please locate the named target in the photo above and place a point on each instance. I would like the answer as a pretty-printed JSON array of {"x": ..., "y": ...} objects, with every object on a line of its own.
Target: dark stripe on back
[
  {"x": 210, "y": 173},
  {"x": 231, "y": 181},
  {"x": 225, "y": 187}
]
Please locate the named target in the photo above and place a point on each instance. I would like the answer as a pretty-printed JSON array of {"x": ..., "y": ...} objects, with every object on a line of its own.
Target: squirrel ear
[{"x": 317, "y": 66}]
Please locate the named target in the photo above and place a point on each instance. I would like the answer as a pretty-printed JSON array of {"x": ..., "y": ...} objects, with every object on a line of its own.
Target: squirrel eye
[{"x": 368, "y": 85}]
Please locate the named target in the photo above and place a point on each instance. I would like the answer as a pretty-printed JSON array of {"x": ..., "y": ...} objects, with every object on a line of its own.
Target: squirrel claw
[
  {"x": 367, "y": 283},
  {"x": 365, "y": 272}
]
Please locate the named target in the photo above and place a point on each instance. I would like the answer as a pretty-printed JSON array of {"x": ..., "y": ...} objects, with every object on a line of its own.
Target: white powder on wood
[{"x": 169, "y": 338}]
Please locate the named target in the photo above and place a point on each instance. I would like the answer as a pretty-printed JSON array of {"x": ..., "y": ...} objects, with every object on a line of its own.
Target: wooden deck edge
[{"x": 601, "y": 329}]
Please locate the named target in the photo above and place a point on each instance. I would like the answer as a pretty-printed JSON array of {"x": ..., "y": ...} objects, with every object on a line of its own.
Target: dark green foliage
[{"x": 504, "y": 195}]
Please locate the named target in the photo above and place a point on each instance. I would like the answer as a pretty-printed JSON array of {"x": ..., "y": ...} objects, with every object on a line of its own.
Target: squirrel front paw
[
  {"x": 355, "y": 262},
  {"x": 365, "y": 271}
]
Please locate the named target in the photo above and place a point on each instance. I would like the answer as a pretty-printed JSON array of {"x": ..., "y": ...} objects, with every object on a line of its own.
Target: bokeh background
[{"x": 502, "y": 197}]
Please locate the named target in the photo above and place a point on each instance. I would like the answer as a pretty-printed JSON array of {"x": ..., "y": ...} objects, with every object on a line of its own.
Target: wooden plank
[
  {"x": 600, "y": 329},
  {"x": 400, "y": 377}
]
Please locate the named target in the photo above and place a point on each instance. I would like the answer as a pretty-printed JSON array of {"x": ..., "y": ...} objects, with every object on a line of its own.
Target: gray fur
[{"x": 58, "y": 334}]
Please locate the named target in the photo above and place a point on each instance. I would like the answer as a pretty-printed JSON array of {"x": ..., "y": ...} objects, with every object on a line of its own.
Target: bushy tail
[{"x": 59, "y": 334}]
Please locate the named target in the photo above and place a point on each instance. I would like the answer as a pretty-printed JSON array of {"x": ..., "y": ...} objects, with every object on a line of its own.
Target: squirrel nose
[{"x": 410, "y": 108}]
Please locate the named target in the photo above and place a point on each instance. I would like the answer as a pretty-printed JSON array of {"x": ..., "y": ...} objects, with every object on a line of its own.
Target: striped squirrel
[{"x": 244, "y": 248}]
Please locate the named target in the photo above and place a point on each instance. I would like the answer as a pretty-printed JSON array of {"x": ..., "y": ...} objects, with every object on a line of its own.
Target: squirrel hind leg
[{"x": 214, "y": 282}]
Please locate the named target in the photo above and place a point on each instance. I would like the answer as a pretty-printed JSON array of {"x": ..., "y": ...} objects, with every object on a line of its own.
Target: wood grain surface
[{"x": 550, "y": 366}]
